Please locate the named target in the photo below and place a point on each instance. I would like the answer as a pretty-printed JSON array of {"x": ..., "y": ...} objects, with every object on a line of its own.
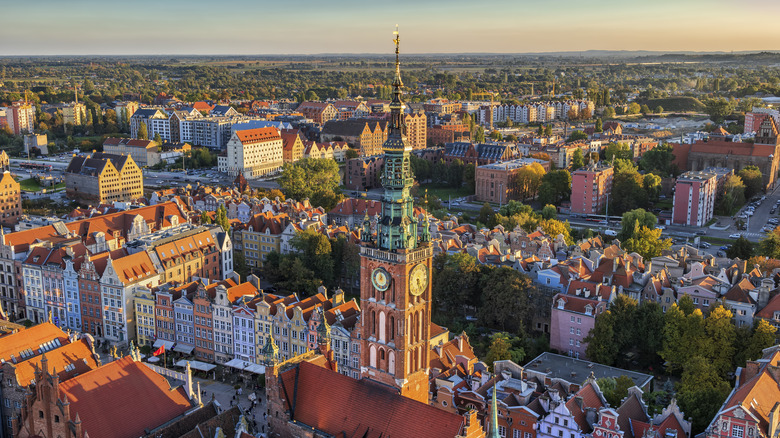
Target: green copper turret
[{"x": 398, "y": 226}]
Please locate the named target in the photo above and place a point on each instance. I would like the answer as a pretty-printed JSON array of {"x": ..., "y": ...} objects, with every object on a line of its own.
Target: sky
[{"x": 256, "y": 27}]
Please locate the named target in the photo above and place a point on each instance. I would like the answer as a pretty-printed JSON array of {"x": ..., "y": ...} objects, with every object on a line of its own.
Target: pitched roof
[
  {"x": 122, "y": 399},
  {"x": 78, "y": 354},
  {"x": 37, "y": 338},
  {"x": 258, "y": 135},
  {"x": 587, "y": 397},
  {"x": 365, "y": 409},
  {"x": 134, "y": 267}
]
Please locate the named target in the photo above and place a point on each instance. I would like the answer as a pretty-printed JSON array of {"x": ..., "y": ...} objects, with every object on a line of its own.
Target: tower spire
[{"x": 493, "y": 417}]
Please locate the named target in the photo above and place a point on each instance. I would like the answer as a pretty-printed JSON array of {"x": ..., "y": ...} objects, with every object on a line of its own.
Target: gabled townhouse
[
  {"x": 260, "y": 236},
  {"x": 90, "y": 272},
  {"x": 184, "y": 317},
  {"x": 145, "y": 310},
  {"x": 292, "y": 145},
  {"x": 742, "y": 300},
  {"x": 751, "y": 408},
  {"x": 318, "y": 112},
  {"x": 572, "y": 318},
  {"x": 117, "y": 288},
  {"x": 222, "y": 315},
  {"x": 243, "y": 313}
]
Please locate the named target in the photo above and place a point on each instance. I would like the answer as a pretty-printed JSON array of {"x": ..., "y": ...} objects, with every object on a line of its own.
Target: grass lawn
[
  {"x": 442, "y": 191},
  {"x": 30, "y": 185}
]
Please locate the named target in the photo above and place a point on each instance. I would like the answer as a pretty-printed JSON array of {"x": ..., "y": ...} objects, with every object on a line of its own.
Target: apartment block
[
  {"x": 10, "y": 200},
  {"x": 497, "y": 182},
  {"x": 694, "y": 198},
  {"x": 590, "y": 187}
]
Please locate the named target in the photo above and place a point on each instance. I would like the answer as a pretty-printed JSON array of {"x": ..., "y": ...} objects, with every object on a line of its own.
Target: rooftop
[{"x": 556, "y": 366}]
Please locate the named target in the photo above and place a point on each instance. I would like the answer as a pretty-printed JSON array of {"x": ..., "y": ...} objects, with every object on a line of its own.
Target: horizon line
[{"x": 664, "y": 52}]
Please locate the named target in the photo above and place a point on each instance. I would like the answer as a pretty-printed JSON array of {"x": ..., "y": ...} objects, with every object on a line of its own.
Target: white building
[{"x": 253, "y": 153}]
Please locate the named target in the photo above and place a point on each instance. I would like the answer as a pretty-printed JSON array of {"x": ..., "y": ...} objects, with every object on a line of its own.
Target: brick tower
[{"x": 395, "y": 270}]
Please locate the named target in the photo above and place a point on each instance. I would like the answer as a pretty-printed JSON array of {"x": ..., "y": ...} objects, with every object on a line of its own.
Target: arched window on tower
[
  {"x": 391, "y": 363},
  {"x": 392, "y": 328},
  {"x": 372, "y": 356},
  {"x": 373, "y": 322},
  {"x": 382, "y": 327}
]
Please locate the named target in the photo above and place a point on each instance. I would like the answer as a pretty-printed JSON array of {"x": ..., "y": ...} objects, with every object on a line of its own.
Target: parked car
[
  {"x": 735, "y": 236},
  {"x": 705, "y": 245},
  {"x": 701, "y": 232},
  {"x": 611, "y": 233}
]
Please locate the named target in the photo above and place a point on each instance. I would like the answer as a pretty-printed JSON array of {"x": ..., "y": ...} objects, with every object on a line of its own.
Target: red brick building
[
  {"x": 319, "y": 112},
  {"x": 363, "y": 173},
  {"x": 442, "y": 134}
]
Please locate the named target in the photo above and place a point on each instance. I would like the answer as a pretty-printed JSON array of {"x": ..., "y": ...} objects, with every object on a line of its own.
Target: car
[
  {"x": 704, "y": 245},
  {"x": 735, "y": 236},
  {"x": 724, "y": 247},
  {"x": 611, "y": 233},
  {"x": 772, "y": 211},
  {"x": 750, "y": 213},
  {"x": 661, "y": 227},
  {"x": 701, "y": 232}
]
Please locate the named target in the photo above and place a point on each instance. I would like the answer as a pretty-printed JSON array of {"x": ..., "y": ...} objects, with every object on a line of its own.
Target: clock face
[
  {"x": 418, "y": 279},
  {"x": 380, "y": 278}
]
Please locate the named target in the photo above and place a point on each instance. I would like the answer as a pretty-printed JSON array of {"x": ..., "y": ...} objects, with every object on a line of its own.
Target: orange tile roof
[
  {"x": 258, "y": 135},
  {"x": 30, "y": 339},
  {"x": 590, "y": 399},
  {"x": 236, "y": 292},
  {"x": 77, "y": 354},
  {"x": 134, "y": 267},
  {"x": 122, "y": 399},
  {"x": 365, "y": 409}
]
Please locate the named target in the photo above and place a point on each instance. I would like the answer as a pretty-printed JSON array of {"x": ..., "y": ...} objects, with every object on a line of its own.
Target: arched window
[
  {"x": 373, "y": 322},
  {"x": 382, "y": 354},
  {"x": 382, "y": 327},
  {"x": 392, "y": 328},
  {"x": 391, "y": 363},
  {"x": 372, "y": 356}
]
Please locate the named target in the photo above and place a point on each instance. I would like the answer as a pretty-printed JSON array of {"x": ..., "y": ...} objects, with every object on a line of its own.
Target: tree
[
  {"x": 205, "y": 218},
  {"x": 644, "y": 109},
  {"x": 157, "y": 138},
  {"x": 222, "y": 219},
  {"x": 753, "y": 179},
  {"x": 577, "y": 136},
  {"x": 549, "y": 211},
  {"x": 731, "y": 196},
  {"x": 505, "y": 298},
  {"x": 769, "y": 246},
  {"x": 649, "y": 326},
  {"x": 315, "y": 251},
  {"x": 486, "y": 215},
  {"x": 239, "y": 264},
  {"x": 658, "y": 160},
  {"x": 351, "y": 153},
  {"x": 548, "y": 130},
  {"x": 658, "y": 110},
  {"x": 684, "y": 337},
  {"x": 618, "y": 150},
  {"x": 601, "y": 347},
  {"x": 616, "y": 388},
  {"x": 627, "y": 192},
  {"x": 741, "y": 248},
  {"x": 577, "y": 160},
  {"x": 718, "y": 109},
  {"x": 479, "y": 135},
  {"x": 555, "y": 187},
  {"x": 599, "y": 125},
  {"x": 528, "y": 179},
  {"x": 721, "y": 332},
  {"x": 634, "y": 108},
  {"x": 701, "y": 392},
  {"x": 315, "y": 179},
  {"x": 142, "y": 133},
  {"x": 763, "y": 336},
  {"x": 504, "y": 346},
  {"x": 652, "y": 185},
  {"x": 469, "y": 175},
  {"x": 455, "y": 285}
]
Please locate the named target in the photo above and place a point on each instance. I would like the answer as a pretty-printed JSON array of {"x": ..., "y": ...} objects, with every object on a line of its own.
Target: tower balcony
[{"x": 400, "y": 256}]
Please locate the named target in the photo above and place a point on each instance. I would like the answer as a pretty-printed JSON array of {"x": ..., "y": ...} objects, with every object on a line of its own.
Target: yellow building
[
  {"x": 103, "y": 178},
  {"x": 74, "y": 113},
  {"x": 144, "y": 317},
  {"x": 259, "y": 236}
]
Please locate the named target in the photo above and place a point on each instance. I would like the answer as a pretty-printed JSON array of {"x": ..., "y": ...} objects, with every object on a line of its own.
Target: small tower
[
  {"x": 493, "y": 433},
  {"x": 270, "y": 351}
]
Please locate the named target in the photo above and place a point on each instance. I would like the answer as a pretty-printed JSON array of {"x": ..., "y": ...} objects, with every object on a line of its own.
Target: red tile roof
[
  {"x": 122, "y": 399},
  {"x": 30, "y": 339},
  {"x": 587, "y": 397},
  {"x": 78, "y": 354},
  {"x": 365, "y": 409},
  {"x": 258, "y": 135}
]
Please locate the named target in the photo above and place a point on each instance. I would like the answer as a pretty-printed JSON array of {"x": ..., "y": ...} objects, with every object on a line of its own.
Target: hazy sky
[{"x": 44, "y": 27}]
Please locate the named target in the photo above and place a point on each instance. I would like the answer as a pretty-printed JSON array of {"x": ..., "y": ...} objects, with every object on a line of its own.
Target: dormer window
[
  {"x": 588, "y": 310},
  {"x": 561, "y": 303}
]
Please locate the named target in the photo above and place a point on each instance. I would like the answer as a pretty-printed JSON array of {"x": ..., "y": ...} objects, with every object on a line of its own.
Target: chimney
[
  {"x": 614, "y": 264},
  {"x": 460, "y": 343}
]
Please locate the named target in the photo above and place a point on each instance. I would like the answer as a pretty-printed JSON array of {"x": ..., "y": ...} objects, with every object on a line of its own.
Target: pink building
[
  {"x": 694, "y": 198},
  {"x": 571, "y": 319},
  {"x": 590, "y": 187},
  {"x": 21, "y": 118}
]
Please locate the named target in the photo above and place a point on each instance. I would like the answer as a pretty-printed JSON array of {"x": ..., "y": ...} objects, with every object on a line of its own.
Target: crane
[{"x": 492, "y": 102}]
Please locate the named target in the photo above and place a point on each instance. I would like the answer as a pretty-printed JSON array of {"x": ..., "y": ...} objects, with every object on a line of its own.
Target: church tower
[{"x": 395, "y": 270}]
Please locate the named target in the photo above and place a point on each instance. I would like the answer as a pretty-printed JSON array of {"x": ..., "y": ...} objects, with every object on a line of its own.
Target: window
[
  {"x": 502, "y": 431},
  {"x": 737, "y": 431}
]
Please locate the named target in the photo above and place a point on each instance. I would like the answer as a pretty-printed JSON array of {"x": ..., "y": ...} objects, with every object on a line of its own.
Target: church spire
[{"x": 494, "y": 416}]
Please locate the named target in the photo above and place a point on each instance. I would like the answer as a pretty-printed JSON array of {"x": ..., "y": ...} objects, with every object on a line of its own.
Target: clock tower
[{"x": 395, "y": 270}]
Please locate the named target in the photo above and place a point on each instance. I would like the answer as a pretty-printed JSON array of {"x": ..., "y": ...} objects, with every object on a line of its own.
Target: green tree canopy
[
  {"x": 555, "y": 187},
  {"x": 315, "y": 179},
  {"x": 741, "y": 248},
  {"x": 753, "y": 179}
]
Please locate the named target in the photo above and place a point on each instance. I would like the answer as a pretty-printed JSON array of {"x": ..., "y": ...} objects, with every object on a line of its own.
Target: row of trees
[
  {"x": 515, "y": 214},
  {"x": 703, "y": 349},
  {"x": 316, "y": 261},
  {"x": 314, "y": 179}
]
